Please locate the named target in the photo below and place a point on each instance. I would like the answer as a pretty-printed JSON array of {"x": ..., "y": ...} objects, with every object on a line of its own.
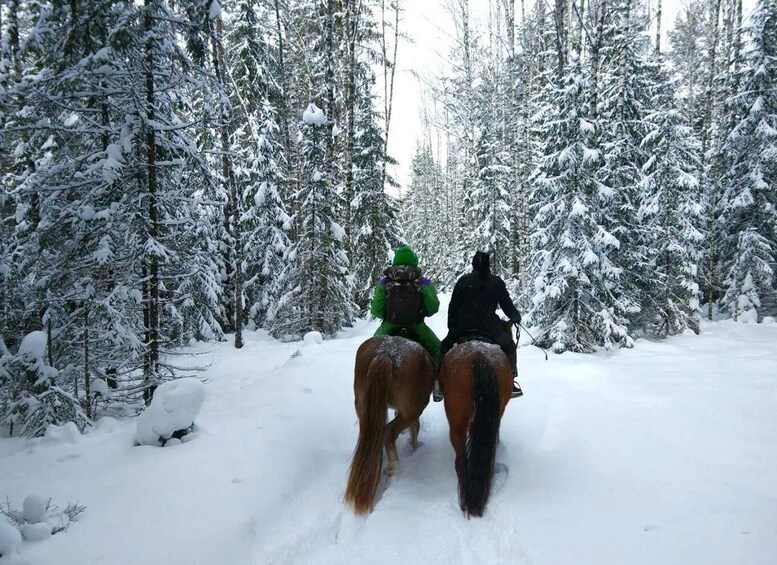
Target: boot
[{"x": 517, "y": 392}]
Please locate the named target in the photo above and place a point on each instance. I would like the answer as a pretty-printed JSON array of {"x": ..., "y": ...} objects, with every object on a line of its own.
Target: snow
[
  {"x": 86, "y": 213},
  {"x": 36, "y": 532},
  {"x": 314, "y": 115},
  {"x": 313, "y": 338},
  {"x": 10, "y": 539},
  {"x": 175, "y": 407},
  {"x": 33, "y": 345},
  {"x": 72, "y": 120},
  {"x": 338, "y": 231},
  {"x": 34, "y": 509},
  {"x": 215, "y": 10},
  {"x": 66, "y": 433},
  {"x": 661, "y": 454}
]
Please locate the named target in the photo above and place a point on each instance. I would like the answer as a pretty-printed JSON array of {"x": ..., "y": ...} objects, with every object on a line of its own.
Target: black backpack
[{"x": 404, "y": 303}]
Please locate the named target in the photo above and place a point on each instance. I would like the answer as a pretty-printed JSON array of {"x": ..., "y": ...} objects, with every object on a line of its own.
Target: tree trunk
[
  {"x": 233, "y": 211},
  {"x": 388, "y": 77},
  {"x": 561, "y": 37},
  {"x": 351, "y": 33},
  {"x": 87, "y": 383},
  {"x": 152, "y": 283}
]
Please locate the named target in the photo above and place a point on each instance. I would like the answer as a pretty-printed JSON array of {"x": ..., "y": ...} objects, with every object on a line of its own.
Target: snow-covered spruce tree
[
  {"x": 422, "y": 210},
  {"x": 256, "y": 138},
  {"x": 30, "y": 400},
  {"x": 320, "y": 281},
  {"x": 491, "y": 197},
  {"x": 750, "y": 184},
  {"x": 82, "y": 299},
  {"x": 751, "y": 277},
  {"x": 626, "y": 80},
  {"x": 578, "y": 301},
  {"x": 164, "y": 171},
  {"x": 671, "y": 215},
  {"x": 373, "y": 211},
  {"x": 266, "y": 223}
]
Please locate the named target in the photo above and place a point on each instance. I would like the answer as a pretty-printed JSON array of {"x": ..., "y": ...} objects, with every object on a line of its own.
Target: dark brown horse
[
  {"x": 390, "y": 372},
  {"x": 477, "y": 381}
]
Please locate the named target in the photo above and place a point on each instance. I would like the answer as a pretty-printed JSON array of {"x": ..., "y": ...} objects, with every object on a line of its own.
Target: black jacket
[{"x": 474, "y": 301}]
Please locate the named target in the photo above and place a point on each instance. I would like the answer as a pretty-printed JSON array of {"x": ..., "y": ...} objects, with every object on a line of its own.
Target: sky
[{"x": 428, "y": 27}]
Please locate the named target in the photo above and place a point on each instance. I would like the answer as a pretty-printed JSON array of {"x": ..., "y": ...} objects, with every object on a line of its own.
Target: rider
[
  {"x": 472, "y": 311},
  {"x": 403, "y": 298}
]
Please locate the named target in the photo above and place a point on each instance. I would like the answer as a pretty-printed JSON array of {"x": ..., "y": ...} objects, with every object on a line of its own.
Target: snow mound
[
  {"x": 10, "y": 539},
  {"x": 174, "y": 408},
  {"x": 36, "y": 532},
  {"x": 34, "y": 509},
  {"x": 33, "y": 346},
  {"x": 66, "y": 433},
  {"x": 768, "y": 320},
  {"x": 314, "y": 115},
  {"x": 215, "y": 10},
  {"x": 105, "y": 425},
  {"x": 313, "y": 338}
]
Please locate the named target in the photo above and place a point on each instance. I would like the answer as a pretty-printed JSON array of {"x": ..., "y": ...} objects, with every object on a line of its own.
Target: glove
[{"x": 516, "y": 318}]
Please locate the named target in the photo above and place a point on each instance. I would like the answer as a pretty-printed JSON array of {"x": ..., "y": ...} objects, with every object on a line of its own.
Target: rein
[{"x": 518, "y": 327}]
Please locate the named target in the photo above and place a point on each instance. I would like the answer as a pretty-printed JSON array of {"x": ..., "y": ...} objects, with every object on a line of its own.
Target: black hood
[{"x": 481, "y": 263}]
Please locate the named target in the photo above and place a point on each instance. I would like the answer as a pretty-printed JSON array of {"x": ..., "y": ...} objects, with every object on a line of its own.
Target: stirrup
[{"x": 517, "y": 392}]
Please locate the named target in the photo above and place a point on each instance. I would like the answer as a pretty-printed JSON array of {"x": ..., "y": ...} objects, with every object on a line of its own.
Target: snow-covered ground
[{"x": 660, "y": 455}]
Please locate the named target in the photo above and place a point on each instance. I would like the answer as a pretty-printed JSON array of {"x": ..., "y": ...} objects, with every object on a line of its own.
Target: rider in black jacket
[{"x": 472, "y": 311}]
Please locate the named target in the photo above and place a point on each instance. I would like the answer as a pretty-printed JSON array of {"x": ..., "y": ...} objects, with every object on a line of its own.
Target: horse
[
  {"x": 394, "y": 372},
  {"x": 476, "y": 382}
]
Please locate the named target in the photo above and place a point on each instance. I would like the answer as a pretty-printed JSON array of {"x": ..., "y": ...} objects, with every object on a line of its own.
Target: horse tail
[
  {"x": 364, "y": 476},
  {"x": 482, "y": 439}
]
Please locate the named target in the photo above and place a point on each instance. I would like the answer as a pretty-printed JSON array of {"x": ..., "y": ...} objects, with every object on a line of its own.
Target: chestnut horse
[
  {"x": 476, "y": 381},
  {"x": 390, "y": 372}
]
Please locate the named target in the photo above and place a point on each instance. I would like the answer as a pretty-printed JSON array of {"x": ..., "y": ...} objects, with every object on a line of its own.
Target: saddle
[
  {"x": 407, "y": 333},
  {"x": 473, "y": 335}
]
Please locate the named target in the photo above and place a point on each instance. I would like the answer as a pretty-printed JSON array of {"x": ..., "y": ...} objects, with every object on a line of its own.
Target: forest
[{"x": 181, "y": 171}]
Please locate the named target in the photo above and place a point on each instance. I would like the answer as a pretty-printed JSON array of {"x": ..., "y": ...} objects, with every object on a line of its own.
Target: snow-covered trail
[{"x": 662, "y": 454}]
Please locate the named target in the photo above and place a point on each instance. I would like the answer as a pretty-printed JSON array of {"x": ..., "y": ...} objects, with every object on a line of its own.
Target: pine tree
[
  {"x": 321, "y": 297},
  {"x": 373, "y": 212},
  {"x": 750, "y": 196},
  {"x": 671, "y": 215},
  {"x": 578, "y": 299}
]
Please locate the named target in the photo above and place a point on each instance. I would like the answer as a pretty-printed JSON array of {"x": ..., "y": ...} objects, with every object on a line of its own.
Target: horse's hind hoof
[{"x": 391, "y": 469}]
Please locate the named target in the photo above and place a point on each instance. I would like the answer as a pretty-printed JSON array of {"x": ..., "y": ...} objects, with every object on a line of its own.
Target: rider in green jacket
[{"x": 431, "y": 304}]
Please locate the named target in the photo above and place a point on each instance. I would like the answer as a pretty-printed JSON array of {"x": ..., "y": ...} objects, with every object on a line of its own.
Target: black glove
[{"x": 516, "y": 318}]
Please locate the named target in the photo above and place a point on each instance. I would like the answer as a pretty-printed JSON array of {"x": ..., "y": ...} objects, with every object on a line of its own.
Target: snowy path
[{"x": 664, "y": 454}]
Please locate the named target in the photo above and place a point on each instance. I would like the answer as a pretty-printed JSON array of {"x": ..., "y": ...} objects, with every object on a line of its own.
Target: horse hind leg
[
  {"x": 415, "y": 428},
  {"x": 393, "y": 429}
]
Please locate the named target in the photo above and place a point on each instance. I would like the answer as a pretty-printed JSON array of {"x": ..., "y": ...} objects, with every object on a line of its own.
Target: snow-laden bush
[
  {"x": 37, "y": 521},
  {"x": 171, "y": 413},
  {"x": 10, "y": 539},
  {"x": 30, "y": 399}
]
